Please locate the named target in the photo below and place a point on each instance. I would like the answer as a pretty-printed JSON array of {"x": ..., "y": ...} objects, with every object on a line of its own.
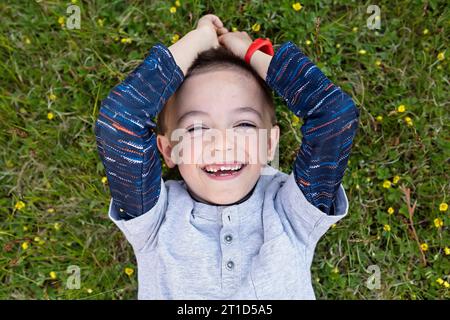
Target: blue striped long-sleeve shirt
[
  {"x": 126, "y": 137},
  {"x": 330, "y": 123}
]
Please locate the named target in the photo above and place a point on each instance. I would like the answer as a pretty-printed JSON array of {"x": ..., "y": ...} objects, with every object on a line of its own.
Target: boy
[{"x": 226, "y": 231}]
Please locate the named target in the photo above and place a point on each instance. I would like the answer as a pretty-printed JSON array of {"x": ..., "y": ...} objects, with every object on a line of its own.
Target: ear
[
  {"x": 273, "y": 141},
  {"x": 165, "y": 149}
]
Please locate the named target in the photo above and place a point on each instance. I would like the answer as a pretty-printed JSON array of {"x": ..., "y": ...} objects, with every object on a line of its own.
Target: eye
[
  {"x": 196, "y": 129},
  {"x": 246, "y": 124}
]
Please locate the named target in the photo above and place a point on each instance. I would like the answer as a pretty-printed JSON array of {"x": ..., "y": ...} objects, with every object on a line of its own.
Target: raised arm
[
  {"x": 330, "y": 121},
  {"x": 330, "y": 116},
  {"x": 125, "y": 132},
  {"x": 126, "y": 139}
]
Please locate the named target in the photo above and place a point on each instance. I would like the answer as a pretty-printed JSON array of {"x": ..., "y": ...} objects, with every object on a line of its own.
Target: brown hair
[{"x": 221, "y": 58}]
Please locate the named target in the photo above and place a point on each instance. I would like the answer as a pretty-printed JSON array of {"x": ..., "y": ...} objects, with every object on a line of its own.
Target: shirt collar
[{"x": 245, "y": 208}]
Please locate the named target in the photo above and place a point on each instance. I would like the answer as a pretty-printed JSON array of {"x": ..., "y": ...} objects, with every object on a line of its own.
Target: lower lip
[{"x": 230, "y": 176}]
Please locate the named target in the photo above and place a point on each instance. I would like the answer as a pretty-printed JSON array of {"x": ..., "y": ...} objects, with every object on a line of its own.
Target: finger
[
  {"x": 210, "y": 19},
  {"x": 222, "y": 31},
  {"x": 221, "y": 38},
  {"x": 216, "y": 21}
]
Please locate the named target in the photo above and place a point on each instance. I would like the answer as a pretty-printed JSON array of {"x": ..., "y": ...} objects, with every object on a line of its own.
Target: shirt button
[
  {"x": 230, "y": 265},
  {"x": 228, "y": 238}
]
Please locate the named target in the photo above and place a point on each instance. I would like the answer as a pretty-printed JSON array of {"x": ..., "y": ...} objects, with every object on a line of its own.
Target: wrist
[
  {"x": 260, "y": 61},
  {"x": 184, "y": 51}
]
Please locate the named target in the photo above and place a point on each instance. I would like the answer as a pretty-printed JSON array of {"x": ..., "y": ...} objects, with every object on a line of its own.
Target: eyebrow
[{"x": 238, "y": 110}]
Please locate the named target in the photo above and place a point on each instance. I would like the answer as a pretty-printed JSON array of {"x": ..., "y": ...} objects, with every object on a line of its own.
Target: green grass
[{"x": 53, "y": 164}]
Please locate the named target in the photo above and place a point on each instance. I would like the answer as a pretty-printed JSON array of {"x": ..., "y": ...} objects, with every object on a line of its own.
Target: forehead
[{"x": 219, "y": 93}]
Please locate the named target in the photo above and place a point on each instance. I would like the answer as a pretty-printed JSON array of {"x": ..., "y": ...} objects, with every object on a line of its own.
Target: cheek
[
  {"x": 188, "y": 171},
  {"x": 255, "y": 145}
]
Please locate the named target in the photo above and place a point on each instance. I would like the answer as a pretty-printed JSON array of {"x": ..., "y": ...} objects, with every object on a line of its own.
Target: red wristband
[{"x": 261, "y": 44}]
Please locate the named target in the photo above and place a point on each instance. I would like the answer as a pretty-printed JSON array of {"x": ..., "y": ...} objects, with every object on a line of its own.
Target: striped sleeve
[
  {"x": 125, "y": 132},
  {"x": 330, "y": 123}
]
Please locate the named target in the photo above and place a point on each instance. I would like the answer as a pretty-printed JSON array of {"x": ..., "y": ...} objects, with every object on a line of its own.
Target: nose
[{"x": 223, "y": 141}]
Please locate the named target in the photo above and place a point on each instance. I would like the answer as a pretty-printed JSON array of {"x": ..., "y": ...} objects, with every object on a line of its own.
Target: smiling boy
[{"x": 233, "y": 227}]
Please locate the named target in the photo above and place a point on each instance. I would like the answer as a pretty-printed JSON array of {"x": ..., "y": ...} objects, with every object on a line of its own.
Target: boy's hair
[{"x": 221, "y": 58}]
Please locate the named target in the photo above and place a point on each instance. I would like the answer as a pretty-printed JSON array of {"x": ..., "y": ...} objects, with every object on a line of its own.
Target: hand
[
  {"x": 209, "y": 27},
  {"x": 202, "y": 38},
  {"x": 237, "y": 42}
]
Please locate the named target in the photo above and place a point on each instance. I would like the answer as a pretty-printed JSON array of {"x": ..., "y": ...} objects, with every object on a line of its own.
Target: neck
[{"x": 248, "y": 195}]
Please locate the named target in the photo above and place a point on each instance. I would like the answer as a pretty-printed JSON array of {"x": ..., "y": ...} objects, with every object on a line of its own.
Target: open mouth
[{"x": 224, "y": 170}]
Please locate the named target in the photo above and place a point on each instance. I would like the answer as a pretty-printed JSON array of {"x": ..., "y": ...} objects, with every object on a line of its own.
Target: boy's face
[{"x": 218, "y": 121}]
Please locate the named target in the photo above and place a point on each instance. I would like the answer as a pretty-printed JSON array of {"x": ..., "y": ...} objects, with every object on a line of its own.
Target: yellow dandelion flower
[
  {"x": 100, "y": 22},
  {"x": 333, "y": 225},
  {"x": 50, "y": 115},
  {"x": 424, "y": 247},
  {"x": 234, "y": 29},
  {"x": 173, "y": 9},
  {"x": 295, "y": 120},
  {"x": 401, "y": 108},
  {"x": 443, "y": 206},
  {"x": 387, "y": 228},
  {"x": 362, "y": 52},
  {"x": 52, "y": 275},
  {"x": 89, "y": 290},
  {"x": 19, "y": 205},
  {"x": 438, "y": 223},
  {"x": 25, "y": 245},
  {"x": 74, "y": 1},
  {"x": 61, "y": 20},
  {"x": 25, "y": 228},
  {"x": 27, "y": 40},
  {"x": 446, "y": 284},
  {"x": 378, "y": 63},
  {"x": 379, "y": 118},
  {"x": 396, "y": 179},
  {"x": 50, "y": 210},
  {"x": 129, "y": 271},
  {"x": 175, "y": 38},
  {"x": 297, "y": 6},
  {"x": 338, "y": 45},
  {"x": 355, "y": 29},
  {"x": 386, "y": 184},
  {"x": 57, "y": 226},
  {"x": 391, "y": 210},
  {"x": 52, "y": 97},
  {"x": 441, "y": 56},
  {"x": 126, "y": 40},
  {"x": 408, "y": 121},
  {"x": 177, "y": 3},
  {"x": 440, "y": 281},
  {"x": 425, "y": 31},
  {"x": 256, "y": 27},
  {"x": 308, "y": 42},
  {"x": 447, "y": 251},
  {"x": 104, "y": 180}
]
